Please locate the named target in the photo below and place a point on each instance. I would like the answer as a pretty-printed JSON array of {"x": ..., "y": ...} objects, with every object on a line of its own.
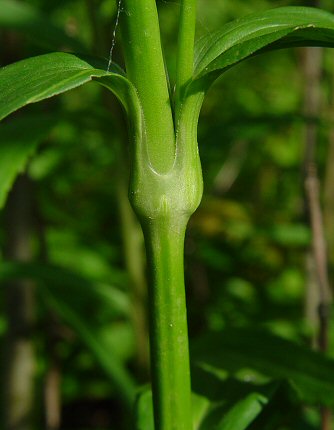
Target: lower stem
[{"x": 170, "y": 368}]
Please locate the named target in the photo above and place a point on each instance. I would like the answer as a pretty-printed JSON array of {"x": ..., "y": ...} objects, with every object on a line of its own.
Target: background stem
[
  {"x": 168, "y": 325},
  {"x": 134, "y": 258},
  {"x": 19, "y": 363},
  {"x": 319, "y": 278},
  {"x": 185, "y": 52}
]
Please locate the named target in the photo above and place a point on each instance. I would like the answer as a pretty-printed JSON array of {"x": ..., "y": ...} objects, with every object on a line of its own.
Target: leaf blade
[
  {"x": 273, "y": 29},
  {"x": 39, "y": 78},
  {"x": 18, "y": 142},
  {"x": 222, "y": 415},
  {"x": 243, "y": 413},
  {"x": 311, "y": 374}
]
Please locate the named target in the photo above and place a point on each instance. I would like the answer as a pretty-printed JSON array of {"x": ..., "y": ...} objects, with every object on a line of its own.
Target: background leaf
[
  {"x": 144, "y": 411},
  {"x": 310, "y": 373},
  {"x": 73, "y": 297},
  {"x": 225, "y": 414},
  {"x": 18, "y": 141},
  {"x": 25, "y": 18},
  {"x": 243, "y": 413}
]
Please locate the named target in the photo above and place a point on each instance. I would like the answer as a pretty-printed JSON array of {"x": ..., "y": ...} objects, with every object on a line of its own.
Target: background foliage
[{"x": 252, "y": 298}]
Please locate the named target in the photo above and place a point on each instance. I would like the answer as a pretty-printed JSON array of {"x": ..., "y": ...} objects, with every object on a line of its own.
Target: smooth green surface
[
  {"x": 73, "y": 297},
  {"x": 164, "y": 203},
  {"x": 24, "y": 18},
  {"x": 143, "y": 414},
  {"x": 18, "y": 141},
  {"x": 200, "y": 407},
  {"x": 311, "y": 373},
  {"x": 243, "y": 413},
  {"x": 45, "y": 76},
  {"x": 239, "y": 403},
  {"x": 146, "y": 69},
  {"x": 170, "y": 370},
  {"x": 273, "y": 29}
]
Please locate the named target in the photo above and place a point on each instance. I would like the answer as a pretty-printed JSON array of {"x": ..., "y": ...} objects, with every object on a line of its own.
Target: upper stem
[
  {"x": 185, "y": 53},
  {"x": 145, "y": 68}
]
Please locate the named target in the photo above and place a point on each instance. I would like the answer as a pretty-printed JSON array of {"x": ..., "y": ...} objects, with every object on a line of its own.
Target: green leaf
[
  {"x": 73, "y": 297},
  {"x": 226, "y": 414},
  {"x": 277, "y": 28},
  {"x": 143, "y": 415},
  {"x": 257, "y": 407},
  {"x": 81, "y": 292},
  {"x": 310, "y": 373},
  {"x": 106, "y": 357},
  {"x": 25, "y": 18},
  {"x": 200, "y": 408},
  {"x": 234, "y": 403},
  {"x": 18, "y": 141},
  {"x": 243, "y": 413},
  {"x": 38, "y": 78}
]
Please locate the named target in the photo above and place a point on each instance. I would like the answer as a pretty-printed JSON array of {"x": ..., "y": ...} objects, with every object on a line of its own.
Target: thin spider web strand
[{"x": 113, "y": 41}]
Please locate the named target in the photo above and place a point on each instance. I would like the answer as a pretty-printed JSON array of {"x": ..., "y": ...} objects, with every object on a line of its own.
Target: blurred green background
[{"x": 72, "y": 323}]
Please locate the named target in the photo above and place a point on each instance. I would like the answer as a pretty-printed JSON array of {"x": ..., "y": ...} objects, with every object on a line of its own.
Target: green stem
[
  {"x": 146, "y": 70},
  {"x": 163, "y": 204},
  {"x": 168, "y": 325},
  {"x": 185, "y": 54},
  {"x": 165, "y": 189}
]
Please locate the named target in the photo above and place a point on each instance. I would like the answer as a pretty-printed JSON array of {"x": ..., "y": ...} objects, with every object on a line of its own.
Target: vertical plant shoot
[
  {"x": 165, "y": 178},
  {"x": 165, "y": 189}
]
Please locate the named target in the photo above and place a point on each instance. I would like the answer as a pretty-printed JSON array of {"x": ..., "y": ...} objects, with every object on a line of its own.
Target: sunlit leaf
[
  {"x": 45, "y": 76},
  {"x": 273, "y": 29}
]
